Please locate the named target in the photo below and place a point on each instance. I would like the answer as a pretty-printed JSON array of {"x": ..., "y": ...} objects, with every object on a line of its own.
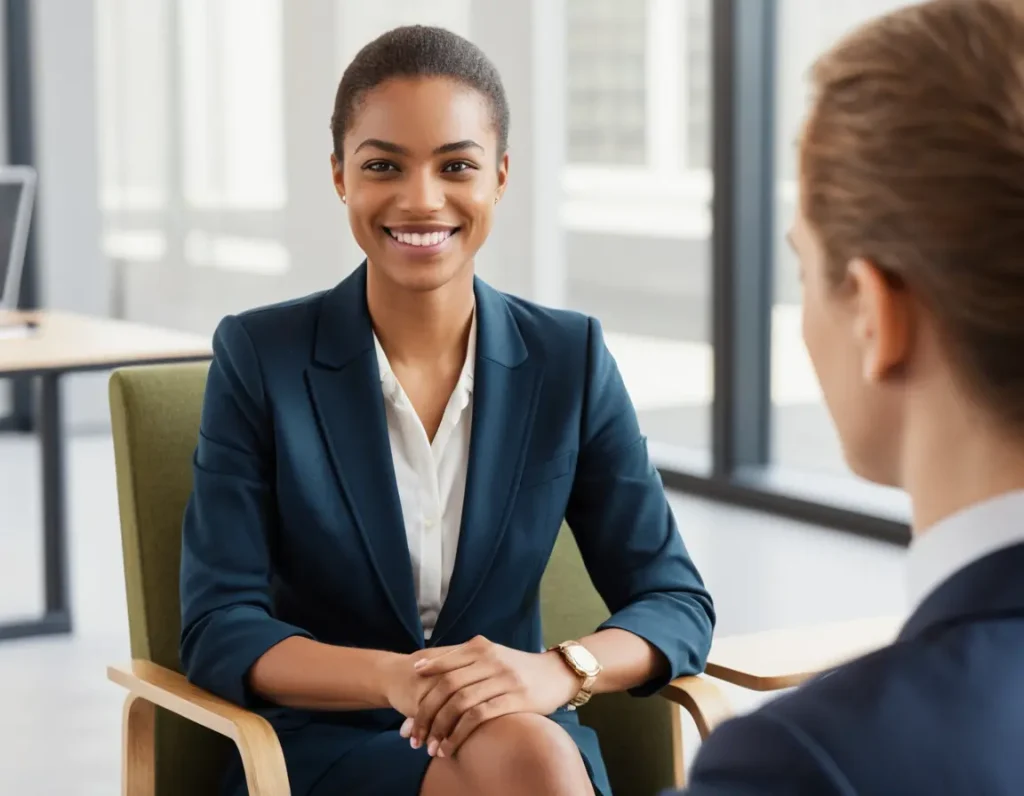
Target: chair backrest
[
  {"x": 155, "y": 421},
  {"x": 640, "y": 738},
  {"x": 155, "y": 414}
]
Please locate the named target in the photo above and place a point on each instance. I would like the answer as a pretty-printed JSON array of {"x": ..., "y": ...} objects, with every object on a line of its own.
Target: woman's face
[
  {"x": 421, "y": 177},
  {"x": 856, "y": 337}
]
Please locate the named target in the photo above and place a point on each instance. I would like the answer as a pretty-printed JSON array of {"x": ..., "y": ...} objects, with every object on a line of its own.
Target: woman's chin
[{"x": 419, "y": 275}]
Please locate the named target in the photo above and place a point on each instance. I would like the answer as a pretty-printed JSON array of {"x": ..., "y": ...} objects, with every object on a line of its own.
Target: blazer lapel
[
  {"x": 344, "y": 385},
  {"x": 506, "y": 386}
]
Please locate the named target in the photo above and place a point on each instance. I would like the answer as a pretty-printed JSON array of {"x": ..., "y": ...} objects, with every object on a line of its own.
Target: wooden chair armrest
[
  {"x": 702, "y": 699},
  {"x": 777, "y": 659},
  {"x": 257, "y": 742}
]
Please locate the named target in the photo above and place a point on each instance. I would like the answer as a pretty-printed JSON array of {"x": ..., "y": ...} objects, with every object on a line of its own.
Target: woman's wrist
[
  {"x": 389, "y": 673},
  {"x": 562, "y": 678}
]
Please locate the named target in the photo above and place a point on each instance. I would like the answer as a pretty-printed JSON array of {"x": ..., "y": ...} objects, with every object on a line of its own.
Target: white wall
[{"x": 73, "y": 275}]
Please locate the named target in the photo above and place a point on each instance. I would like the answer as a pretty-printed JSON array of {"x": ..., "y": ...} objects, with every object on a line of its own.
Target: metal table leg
[{"x": 57, "y": 616}]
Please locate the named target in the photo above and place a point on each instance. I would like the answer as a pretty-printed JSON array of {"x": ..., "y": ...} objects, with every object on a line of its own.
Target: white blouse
[{"x": 431, "y": 478}]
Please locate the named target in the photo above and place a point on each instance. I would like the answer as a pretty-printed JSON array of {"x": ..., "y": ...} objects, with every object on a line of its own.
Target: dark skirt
[{"x": 334, "y": 759}]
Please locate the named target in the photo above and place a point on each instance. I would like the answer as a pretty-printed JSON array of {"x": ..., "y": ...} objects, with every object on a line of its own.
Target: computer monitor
[{"x": 17, "y": 196}]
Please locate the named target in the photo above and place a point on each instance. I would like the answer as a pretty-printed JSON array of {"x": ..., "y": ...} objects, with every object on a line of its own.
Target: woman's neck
[
  {"x": 957, "y": 465},
  {"x": 421, "y": 326}
]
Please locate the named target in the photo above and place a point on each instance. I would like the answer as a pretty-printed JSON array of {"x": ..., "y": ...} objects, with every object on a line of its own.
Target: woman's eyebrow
[
  {"x": 456, "y": 146},
  {"x": 388, "y": 146}
]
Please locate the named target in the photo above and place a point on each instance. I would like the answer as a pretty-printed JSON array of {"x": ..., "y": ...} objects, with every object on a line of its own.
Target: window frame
[
  {"x": 738, "y": 468},
  {"x": 733, "y": 203}
]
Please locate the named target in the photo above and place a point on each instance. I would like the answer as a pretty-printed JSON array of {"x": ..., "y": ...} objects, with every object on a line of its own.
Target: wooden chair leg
[
  {"x": 678, "y": 763},
  {"x": 138, "y": 752},
  {"x": 706, "y": 704}
]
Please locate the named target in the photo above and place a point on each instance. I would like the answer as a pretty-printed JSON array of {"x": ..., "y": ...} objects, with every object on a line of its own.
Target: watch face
[{"x": 582, "y": 658}]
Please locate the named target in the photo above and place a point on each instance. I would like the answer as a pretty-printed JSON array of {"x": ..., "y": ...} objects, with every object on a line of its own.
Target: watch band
[{"x": 585, "y": 691}]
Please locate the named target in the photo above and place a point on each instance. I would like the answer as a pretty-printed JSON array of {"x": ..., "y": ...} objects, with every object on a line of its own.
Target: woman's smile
[{"x": 421, "y": 240}]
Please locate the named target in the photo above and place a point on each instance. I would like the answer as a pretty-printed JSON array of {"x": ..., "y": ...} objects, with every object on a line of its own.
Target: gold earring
[
  {"x": 343, "y": 199},
  {"x": 496, "y": 198}
]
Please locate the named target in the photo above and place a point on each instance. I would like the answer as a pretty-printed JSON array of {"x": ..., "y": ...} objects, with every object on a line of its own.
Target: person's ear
[
  {"x": 881, "y": 318},
  {"x": 502, "y": 177},
  {"x": 338, "y": 176}
]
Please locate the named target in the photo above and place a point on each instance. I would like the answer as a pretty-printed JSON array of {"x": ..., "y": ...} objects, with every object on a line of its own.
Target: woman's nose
[{"x": 421, "y": 193}]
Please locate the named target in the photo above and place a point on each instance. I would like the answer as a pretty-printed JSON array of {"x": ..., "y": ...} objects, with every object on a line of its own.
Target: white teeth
[{"x": 422, "y": 238}]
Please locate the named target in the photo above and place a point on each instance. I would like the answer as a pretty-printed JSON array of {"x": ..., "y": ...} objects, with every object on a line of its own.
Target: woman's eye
[
  {"x": 379, "y": 166},
  {"x": 457, "y": 167}
]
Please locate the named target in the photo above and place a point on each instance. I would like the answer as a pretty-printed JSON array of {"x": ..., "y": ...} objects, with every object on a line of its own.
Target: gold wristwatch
[{"x": 584, "y": 664}]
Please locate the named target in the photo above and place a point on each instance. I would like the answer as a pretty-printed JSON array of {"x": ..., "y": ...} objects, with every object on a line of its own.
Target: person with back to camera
[
  {"x": 383, "y": 469},
  {"x": 910, "y": 234}
]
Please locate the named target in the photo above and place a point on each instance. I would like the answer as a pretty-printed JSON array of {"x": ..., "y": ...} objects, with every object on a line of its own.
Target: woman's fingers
[
  {"x": 485, "y": 711},
  {"x": 456, "y": 657},
  {"x": 444, "y": 689},
  {"x": 461, "y": 702}
]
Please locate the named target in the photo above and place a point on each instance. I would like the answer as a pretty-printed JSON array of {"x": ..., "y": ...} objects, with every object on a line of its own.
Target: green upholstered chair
[
  {"x": 176, "y": 735},
  {"x": 641, "y": 739}
]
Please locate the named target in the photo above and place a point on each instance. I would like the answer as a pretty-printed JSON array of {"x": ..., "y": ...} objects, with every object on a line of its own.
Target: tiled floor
[{"x": 60, "y": 724}]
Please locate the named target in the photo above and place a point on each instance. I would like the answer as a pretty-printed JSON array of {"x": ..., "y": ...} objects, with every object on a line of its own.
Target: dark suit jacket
[
  {"x": 295, "y": 527},
  {"x": 941, "y": 711}
]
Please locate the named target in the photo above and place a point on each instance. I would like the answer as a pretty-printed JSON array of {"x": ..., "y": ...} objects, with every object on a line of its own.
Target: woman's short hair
[
  {"x": 418, "y": 51},
  {"x": 913, "y": 158}
]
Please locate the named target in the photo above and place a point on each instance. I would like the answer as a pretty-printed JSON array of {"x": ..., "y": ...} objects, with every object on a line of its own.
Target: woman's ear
[
  {"x": 881, "y": 320},
  {"x": 338, "y": 176},
  {"x": 502, "y": 176}
]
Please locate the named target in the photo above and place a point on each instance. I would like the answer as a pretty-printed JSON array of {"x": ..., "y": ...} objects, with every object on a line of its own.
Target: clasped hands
[{"x": 447, "y": 692}]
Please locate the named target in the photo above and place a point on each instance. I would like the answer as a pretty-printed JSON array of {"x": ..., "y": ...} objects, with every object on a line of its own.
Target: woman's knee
[{"x": 522, "y": 753}]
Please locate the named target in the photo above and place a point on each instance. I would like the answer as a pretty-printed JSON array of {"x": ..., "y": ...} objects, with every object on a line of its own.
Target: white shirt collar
[
  {"x": 961, "y": 539},
  {"x": 389, "y": 383}
]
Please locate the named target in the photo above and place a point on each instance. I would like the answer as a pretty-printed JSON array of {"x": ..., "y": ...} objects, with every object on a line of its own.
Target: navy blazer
[
  {"x": 941, "y": 711},
  {"x": 294, "y": 526}
]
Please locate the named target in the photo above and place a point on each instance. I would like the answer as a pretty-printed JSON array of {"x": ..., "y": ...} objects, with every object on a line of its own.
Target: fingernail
[
  {"x": 406, "y": 730},
  {"x": 432, "y": 747},
  {"x": 440, "y": 751},
  {"x": 420, "y": 663},
  {"x": 415, "y": 742}
]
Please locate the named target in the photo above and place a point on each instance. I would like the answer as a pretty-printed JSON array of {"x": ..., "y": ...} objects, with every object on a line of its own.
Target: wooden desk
[
  {"x": 58, "y": 344},
  {"x": 777, "y": 659}
]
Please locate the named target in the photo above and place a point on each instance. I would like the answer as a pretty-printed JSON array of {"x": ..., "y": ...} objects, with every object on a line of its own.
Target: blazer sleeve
[
  {"x": 227, "y": 619},
  {"x": 625, "y": 530},
  {"x": 764, "y": 755}
]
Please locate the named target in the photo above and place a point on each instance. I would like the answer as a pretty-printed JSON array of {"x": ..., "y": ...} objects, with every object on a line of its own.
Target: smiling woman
[{"x": 383, "y": 469}]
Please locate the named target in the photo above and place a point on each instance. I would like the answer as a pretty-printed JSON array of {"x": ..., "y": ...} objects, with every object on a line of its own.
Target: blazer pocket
[{"x": 536, "y": 474}]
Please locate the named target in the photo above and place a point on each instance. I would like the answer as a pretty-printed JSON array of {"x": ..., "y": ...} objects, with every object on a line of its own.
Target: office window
[
  {"x": 232, "y": 103},
  {"x": 132, "y": 103},
  {"x": 607, "y": 81},
  {"x": 695, "y": 85},
  {"x": 803, "y": 436},
  {"x": 637, "y": 207}
]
